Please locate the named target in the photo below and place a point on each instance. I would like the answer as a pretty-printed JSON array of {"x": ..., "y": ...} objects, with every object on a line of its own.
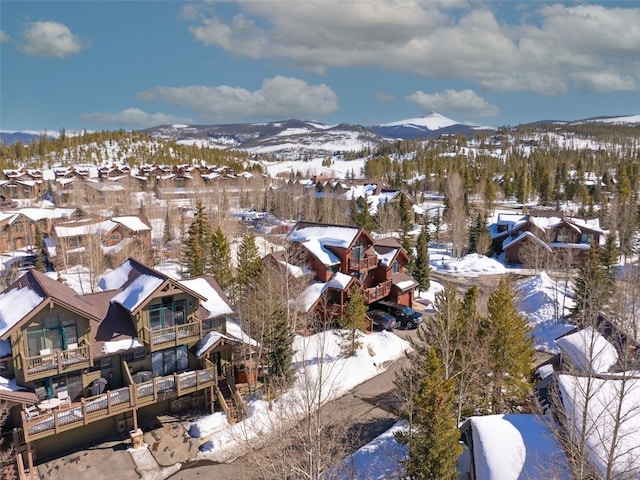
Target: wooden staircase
[{"x": 234, "y": 413}]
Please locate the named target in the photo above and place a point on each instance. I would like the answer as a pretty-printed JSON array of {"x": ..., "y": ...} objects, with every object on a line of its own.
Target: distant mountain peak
[{"x": 431, "y": 121}]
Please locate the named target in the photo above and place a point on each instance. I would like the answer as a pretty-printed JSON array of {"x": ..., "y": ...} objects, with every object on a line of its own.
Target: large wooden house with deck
[
  {"x": 342, "y": 256},
  {"x": 80, "y": 367}
]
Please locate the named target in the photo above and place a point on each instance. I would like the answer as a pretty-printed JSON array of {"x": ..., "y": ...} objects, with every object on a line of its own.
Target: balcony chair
[
  {"x": 63, "y": 396},
  {"x": 31, "y": 411}
]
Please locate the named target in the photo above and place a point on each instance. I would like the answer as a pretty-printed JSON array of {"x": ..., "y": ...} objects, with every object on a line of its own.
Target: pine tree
[
  {"x": 40, "y": 251},
  {"x": 592, "y": 289},
  {"x": 510, "y": 348},
  {"x": 609, "y": 254},
  {"x": 353, "y": 321},
  {"x": 406, "y": 216},
  {"x": 249, "y": 264},
  {"x": 421, "y": 269},
  {"x": 198, "y": 244},
  {"x": 221, "y": 259},
  {"x": 433, "y": 439},
  {"x": 167, "y": 233},
  {"x": 279, "y": 344}
]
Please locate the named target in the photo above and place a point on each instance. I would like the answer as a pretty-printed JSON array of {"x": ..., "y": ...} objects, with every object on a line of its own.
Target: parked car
[
  {"x": 382, "y": 320},
  {"x": 406, "y": 317}
]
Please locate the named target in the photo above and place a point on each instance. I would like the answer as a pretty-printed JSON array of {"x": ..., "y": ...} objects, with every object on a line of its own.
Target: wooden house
[
  {"x": 89, "y": 365},
  {"x": 342, "y": 257}
]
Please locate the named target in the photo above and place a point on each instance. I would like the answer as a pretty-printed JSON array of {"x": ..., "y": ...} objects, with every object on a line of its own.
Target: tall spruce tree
[
  {"x": 249, "y": 264},
  {"x": 279, "y": 344},
  {"x": 353, "y": 321},
  {"x": 592, "y": 289},
  {"x": 433, "y": 440},
  {"x": 198, "y": 244},
  {"x": 221, "y": 259},
  {"x": 510, "y": 348},
  {"x": 421, "y": 269},
  {"x": 406, "y": 216}
]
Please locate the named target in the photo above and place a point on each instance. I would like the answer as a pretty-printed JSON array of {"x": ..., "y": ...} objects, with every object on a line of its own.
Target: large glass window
[
  {"x": 169, "y": 314},
  {"x": 51, "y": 334},
  {"x": 357, "y": 252},
  {"x": 170, "y": 360}
]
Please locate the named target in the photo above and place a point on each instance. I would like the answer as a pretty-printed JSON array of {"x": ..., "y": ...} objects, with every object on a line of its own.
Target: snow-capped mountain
[{"x": 431, "y": 125}]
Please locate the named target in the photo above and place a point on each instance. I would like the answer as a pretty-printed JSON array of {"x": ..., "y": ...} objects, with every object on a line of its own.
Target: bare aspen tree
[
  {"x": 302, "y": 437},
  {"x": 456, "y": 213}
]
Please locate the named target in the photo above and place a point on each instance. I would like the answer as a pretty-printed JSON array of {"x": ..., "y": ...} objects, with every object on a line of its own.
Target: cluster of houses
[
  {"x": 77, "y": 366},
  {"x": 67, "y": 235}
]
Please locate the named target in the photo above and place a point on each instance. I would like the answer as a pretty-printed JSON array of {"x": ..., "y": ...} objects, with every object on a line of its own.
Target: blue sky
[{"x": 134, "y": 64}]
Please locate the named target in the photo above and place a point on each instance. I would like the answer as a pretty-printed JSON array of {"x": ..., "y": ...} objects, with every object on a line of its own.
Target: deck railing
[
  {"x": 172, "y": 335},
  {"x": 363, "y": 264},
  {"x": 58, "y": 362},
  {"x": 378, "y": 292},
  {"x": 114, "y": 402}
]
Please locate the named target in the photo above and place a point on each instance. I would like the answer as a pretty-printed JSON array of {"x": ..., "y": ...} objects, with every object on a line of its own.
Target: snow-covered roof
[
  {"x": 15, "y": 304},
  {"x": 608, "y": 414},
  {"x": 120, "y": 345},
  {"x": 133, "y": 223},
  {"x": 312, "y": 293},
  {"x": 588, "y": 350},
  {"x": 115, "y": 278},
  {"x": 385, "y": 259},
  {"x": 511, "y": 241},
  {"x": 316, "y": 238},
  {"x": 209, "y": 340},
  {"x": 84, "y": 228},
  {"x": 516, "y": 446},
  {"x": 235, "y": 330},
  {"x": 137, "y": 291},
  {"x": 214, "y": 303}
]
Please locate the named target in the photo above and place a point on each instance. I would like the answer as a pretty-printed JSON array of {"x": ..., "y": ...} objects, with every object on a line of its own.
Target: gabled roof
[
  {"x": 510, "y": 241},
  {"x": 320, "y": 238},
  {"x": 403, "y": 281},
  {"x": 313, "y": 292},
  {"x": 137, "y": 283},
  {"x": 33, "y": 290},
  {"x": 215, "y": 302},
  {"x": 588, "y": 350}
]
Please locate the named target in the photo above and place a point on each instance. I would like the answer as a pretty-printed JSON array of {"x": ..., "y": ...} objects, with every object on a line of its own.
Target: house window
[
  {"x": 114, "y": 236},
  {"x": 52, "y": 334},
  {"x": 586, "y": 238},
  {"x": 210, "y": 324},
  {"x": 166, "y": 362},
  {"x": 333, "y": 296},
  {"x": 563, "y": 237},
  {"x": 169, "y": 314},
  {"x": 395, "y": 267},
  {"x": 357, "y": 252}
]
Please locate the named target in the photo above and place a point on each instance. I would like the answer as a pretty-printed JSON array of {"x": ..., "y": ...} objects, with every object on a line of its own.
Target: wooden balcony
[
  {"x": 378, "y": 292},
  {"x": 114, "y": 402},
  {"x": 362, "y": 264},
  {"x": 159, "y": 338},
  {"x": 56, "y": 363}
]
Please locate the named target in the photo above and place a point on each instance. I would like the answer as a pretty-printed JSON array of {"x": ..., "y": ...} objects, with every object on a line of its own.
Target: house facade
[
  {"x": 120, "y": 356},
  {"x": 520, "y": 236},
  {"x": 341, "y": 257}
]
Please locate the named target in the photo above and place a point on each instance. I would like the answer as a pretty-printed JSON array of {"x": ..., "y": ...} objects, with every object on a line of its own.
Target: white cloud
[
  {"x": 51, "y": 39},
  {"x": 452, "y": 102},
  {"x": 278, "y": 96},
  {"x": 134, "y": 117},
  {"x": 4, "y": 37},
  {"x": 384, "y": 97},
  {"x": 551, "y": 50}
]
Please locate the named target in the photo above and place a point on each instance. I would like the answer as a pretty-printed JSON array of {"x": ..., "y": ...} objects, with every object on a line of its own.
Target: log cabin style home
[
  {"x": 79, "y": 367},
  {"x": 343, "y": 256}
]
